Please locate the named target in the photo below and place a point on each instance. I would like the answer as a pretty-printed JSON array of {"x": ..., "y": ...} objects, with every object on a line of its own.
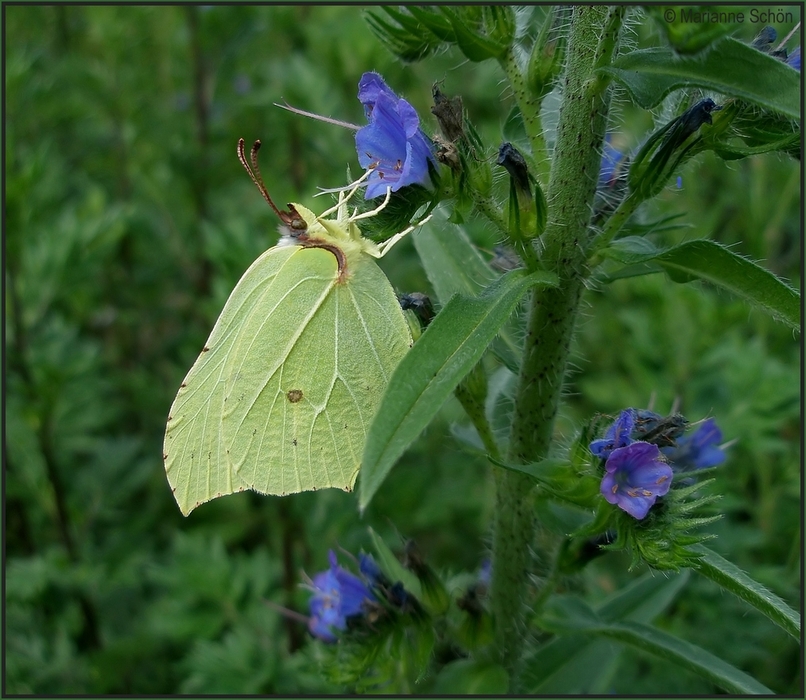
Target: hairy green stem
[
  {"x": 551, "y": 320},
  {"x": 529, "y": 106},
  {"x": 487, "y": 207},
  {"x": 615, "y": 223}
]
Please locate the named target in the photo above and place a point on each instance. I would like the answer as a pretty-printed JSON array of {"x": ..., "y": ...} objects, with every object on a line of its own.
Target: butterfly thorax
[{"x": 341, "y": 236}]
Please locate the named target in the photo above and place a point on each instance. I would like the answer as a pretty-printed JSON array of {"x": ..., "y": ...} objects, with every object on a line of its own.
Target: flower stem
[
  {"x": 529, "y": 106},
  {"x": 550, "y": 327}
]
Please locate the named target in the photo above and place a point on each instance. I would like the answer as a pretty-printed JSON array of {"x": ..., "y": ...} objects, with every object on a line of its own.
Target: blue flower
[
  {"x": 392, "y": 144},
  {"x": 635, "y": 476},
  {"x": 794, "y": 59},
  {"x": 617, "y": 435},
  {"x": 371, "y": 571},
  {"x": 337, "y": 595},
  {"x": 485, "y": 575},
  {"x": 698, "y": 450},
  {"x": 613, "y": 165}
]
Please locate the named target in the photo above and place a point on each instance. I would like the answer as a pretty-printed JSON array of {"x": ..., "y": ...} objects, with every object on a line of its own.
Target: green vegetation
[{"x": 128, "y": 222}]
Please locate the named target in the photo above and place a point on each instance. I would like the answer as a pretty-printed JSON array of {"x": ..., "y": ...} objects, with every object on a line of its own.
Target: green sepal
[
  {"x": 405, "y": 40},
  {"x": 548, "y": 53},
  {"x": 663, "y": 153},
  {"x": 482, "y": 32},
  {"x": 541, "y": 208}
]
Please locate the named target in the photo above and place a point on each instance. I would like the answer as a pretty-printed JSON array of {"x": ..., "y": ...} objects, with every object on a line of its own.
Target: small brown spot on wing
[
  {"x": 205, "y": 349},
  {"x": 294, "y": 395}
]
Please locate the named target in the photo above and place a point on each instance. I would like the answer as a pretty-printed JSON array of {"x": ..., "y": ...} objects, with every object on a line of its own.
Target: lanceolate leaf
[
  {"x": 439, "y": 360},
  {"x": 730, "y": 67},
  {"x": 393, "y": 568},
  {"x": 454, "y": 266},
  {"x": 681, "y": 653},
  {"x": 572, "y": 615},
  {"x": 714, "y": 263},
  {"x": 451, "y": 261},
  {"x": 554, "y": 668},
  {"x": 733, "y": 579}
]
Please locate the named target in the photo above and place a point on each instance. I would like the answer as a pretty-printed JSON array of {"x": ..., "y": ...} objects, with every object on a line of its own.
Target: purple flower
[
  {"x": 794, "y": 59},
  {"x": 635, "y": 476},
  {"x": 392, "y": 144},
  {"x": 698, "y": 450},
  {"x": 617, "y": 435},
  {"x": 337, "y": 595}
]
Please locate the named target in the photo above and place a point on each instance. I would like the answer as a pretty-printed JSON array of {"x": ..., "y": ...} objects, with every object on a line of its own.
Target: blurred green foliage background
[{"x": 128, "y": 222}]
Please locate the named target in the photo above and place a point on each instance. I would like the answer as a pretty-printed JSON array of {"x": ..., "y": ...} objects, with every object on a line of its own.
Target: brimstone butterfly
[{"x": 282, "y": 395}]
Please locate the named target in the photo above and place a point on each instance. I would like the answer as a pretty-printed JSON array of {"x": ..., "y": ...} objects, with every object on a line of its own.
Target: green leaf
[
  {"x": 645, "y": 598},
  {"x": 707, "y": 260},
  {"x": 730, "y": 67},
  {"x": 554, "y": 668},
  {"x": 451, "y": 261},
  {"x": 471, "y": 677},
  {"x": 568, "y": 613},
  {"x": 544, "y": 471},
  {"x": 683, "y": 654},
  {"x": 391, "y": 566},
  {"x": 439, "y": 360},
  {"x": 572, "y": 614},
  {"x": 733, "y": 579},
  {"x": 559, "y": 478},
  {"x": 453, "y": 265}
]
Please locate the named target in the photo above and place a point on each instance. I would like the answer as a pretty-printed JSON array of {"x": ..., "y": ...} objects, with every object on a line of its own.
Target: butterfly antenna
[{"x": 290, "y": 218}]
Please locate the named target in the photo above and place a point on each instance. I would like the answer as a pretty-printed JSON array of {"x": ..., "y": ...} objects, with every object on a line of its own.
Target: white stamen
[{"x": 318, "y": 117}]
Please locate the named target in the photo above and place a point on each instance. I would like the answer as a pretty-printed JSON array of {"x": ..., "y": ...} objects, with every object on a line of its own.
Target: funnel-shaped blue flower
[
  {"x": 698, "y": 450},
  {"x": 635, "y": 476},
  {"x": 392, "y": 144},
  {"x": 337, "y": 595},
  {"x": 612, "y": 166},
  {"x": 794, "y": 59},
  {"x": 617, "y": 435}
]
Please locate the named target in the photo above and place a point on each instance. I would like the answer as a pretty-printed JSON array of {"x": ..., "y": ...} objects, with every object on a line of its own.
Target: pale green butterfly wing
[
  {"x": 282, "y": 396},
  {"x": 298, "y": 420},
  {"x": 193, "y": 450}
]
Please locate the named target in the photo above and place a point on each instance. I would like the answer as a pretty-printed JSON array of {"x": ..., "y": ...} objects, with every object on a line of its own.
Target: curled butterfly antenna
[{"x": 291, "y": 218}]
